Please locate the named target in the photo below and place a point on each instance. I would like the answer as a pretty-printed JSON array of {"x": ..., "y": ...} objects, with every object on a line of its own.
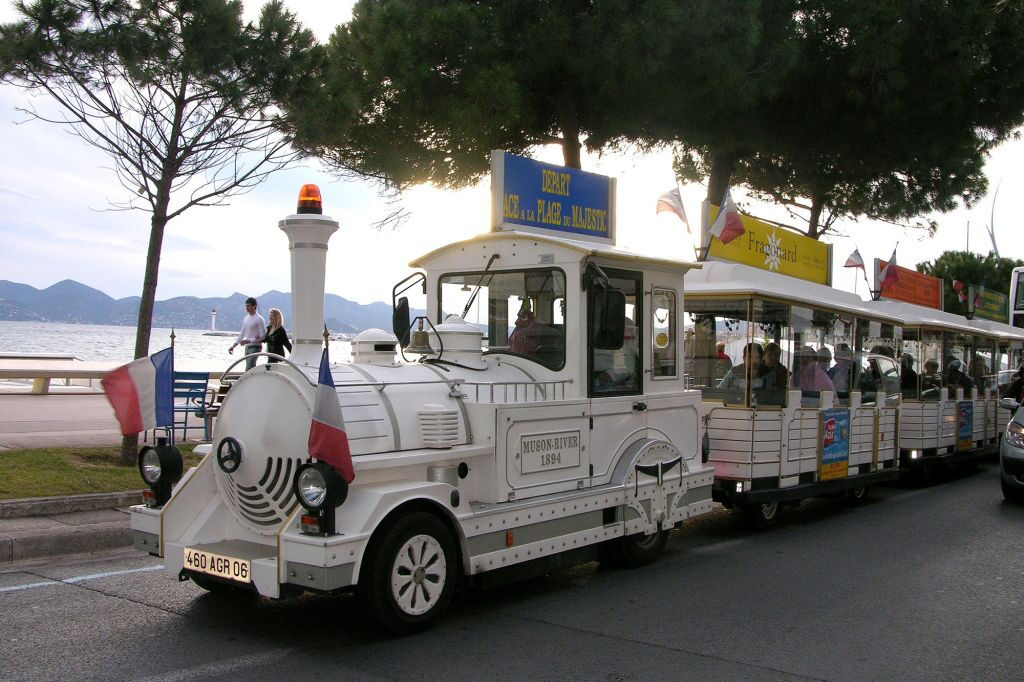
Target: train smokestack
[{"x": 308, "y": 233}]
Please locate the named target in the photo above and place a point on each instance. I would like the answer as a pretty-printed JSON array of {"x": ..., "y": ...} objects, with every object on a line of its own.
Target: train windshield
[{"x": 519, "y": 312}]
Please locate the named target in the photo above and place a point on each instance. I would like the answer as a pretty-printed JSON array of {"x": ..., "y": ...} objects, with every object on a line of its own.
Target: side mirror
[
  {"x": 1009, "y": 404},
  {"x": 400, "y": 321},
  {"x": 607, "y": 319}
]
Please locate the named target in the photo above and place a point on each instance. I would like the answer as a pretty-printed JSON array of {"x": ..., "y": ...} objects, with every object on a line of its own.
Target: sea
[{"x": 194, "y": 349}]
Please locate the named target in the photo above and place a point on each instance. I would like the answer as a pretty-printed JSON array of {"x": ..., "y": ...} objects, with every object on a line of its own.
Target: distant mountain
[{"x": 70, "y": 301}]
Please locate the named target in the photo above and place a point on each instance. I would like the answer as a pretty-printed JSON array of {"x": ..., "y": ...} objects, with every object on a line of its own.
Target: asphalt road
[{"x": 919, "y": 583}]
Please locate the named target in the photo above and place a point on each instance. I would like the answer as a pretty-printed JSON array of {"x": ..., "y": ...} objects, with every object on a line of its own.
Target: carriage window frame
[
  {"x": 485, "y": 275},
  {"x": 672, "y": 325}
]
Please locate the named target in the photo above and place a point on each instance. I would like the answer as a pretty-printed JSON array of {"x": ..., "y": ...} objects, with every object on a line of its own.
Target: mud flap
[{"x": 655, "y": 489}]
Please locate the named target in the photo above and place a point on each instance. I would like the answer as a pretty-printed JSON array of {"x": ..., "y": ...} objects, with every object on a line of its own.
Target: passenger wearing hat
[
  {"x": 956, "y": 377},
  {"x": 254, "y": 330}
]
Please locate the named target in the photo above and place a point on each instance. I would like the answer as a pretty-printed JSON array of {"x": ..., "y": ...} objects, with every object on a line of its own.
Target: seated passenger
[
  {"x": 908, "y": 377},
  {"x": 736, "y": 378},
  {"x": 773, "y": 372},
  {"x": 524, "y": 337},
  {"x": 723, "y": 363},
  {"x": 840, "y": 373},
  {"x": 810, "y": 376},
  {"x": 956, "y": 377},
  {"x": 931, "y": 382}
]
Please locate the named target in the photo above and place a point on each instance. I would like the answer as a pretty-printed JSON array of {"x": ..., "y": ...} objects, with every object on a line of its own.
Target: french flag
[
  {"x": 328, "y": 441},
  {"x": 728, "y": 225},
  {"x": 142, "y": 392}
]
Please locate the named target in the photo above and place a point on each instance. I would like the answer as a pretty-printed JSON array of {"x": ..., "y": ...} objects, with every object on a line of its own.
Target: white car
[{"x": 1011, "y": 454}]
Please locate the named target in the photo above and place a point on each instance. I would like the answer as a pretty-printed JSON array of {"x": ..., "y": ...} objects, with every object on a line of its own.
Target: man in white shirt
[{"x": 254, "y": 330}]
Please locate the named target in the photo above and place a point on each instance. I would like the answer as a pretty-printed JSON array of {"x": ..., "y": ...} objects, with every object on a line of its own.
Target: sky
[{"x": 56, "y": 222}]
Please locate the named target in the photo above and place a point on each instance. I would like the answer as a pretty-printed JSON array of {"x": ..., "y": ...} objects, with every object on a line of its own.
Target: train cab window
[
  {"x": 663, "y": 334},
  {"x": 619, "y": 371},
  {"x": 520, "y": 312}
]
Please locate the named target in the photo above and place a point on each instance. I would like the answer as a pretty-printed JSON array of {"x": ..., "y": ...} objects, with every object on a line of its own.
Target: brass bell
[{"x": 420, "y": 342}]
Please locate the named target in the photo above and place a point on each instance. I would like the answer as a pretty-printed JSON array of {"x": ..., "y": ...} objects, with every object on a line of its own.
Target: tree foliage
[
  {"x": 435, "y": 86},
  {"x": 887, "y": 112},
  {"x": 181, "y": 94},
  {"x": 991, "y": 271}
]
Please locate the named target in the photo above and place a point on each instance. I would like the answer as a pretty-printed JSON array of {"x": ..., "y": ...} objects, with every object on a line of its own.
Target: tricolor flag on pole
[
  {"x": 854, "y": 261},
  {"x": 959, "y": 287},
  {"x": 727, "y": 225},
  {"x": 328, "y": 441},
  {"x": 142, "y": 392},
  {"x": 889, "y": 274},
  {"x": 979, "y": 297},
  {"x": 672, "y": 202}
]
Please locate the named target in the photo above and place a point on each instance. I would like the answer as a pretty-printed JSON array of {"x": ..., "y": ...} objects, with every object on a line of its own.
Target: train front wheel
[{"x": 409, "y": 578}]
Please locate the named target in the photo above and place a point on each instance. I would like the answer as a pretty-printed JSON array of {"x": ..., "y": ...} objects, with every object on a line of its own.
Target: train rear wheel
[
  {"x": 761, "y": 516},
  {"x": 634, "y": 551},
  {"x": 857, "y": 496},
  {"x": 409, "y": 577}
]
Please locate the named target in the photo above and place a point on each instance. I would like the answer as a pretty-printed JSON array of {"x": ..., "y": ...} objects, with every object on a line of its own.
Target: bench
[{"x": 192, "y": 398}]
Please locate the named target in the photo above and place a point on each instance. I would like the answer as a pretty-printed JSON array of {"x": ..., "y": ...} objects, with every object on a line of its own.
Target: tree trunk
[
  {"x": 817, "y": 204},
  {"x": 570, "y": 135},
  {"x": 129, "y": 444},
  {"x": 723, "y": 163}
]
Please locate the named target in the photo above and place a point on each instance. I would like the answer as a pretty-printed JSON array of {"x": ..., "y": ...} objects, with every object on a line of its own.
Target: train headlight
[
  {"x": 149, "y": 465},
  {"x": 318, "y": 486},
  {"x": 160, "y": 467}
]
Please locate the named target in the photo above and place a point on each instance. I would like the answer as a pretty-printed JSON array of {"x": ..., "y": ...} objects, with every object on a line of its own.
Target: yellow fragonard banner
[{"x": 776, "y": 249}]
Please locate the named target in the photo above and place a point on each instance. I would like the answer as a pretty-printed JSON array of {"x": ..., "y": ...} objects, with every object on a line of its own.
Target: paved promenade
[
  {"x": 56, "y": 420},
  {"x": 37, "y": 528}
]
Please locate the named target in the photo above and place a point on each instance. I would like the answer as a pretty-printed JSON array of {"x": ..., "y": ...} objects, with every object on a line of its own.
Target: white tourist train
[
  {"x": 559, "y": 401},
  {"x": 800, "y": 386},
  {"x": 572, "y": 437},
  {"x": 950, "y": 372}
]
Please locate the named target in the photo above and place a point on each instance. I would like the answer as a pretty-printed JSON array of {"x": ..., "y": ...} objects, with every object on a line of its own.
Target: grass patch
[{"x": 45, "y": 472}]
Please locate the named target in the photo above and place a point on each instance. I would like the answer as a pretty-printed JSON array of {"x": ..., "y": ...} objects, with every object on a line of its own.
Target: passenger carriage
[
  {"x": 950, "y": 393},
  {"x": 572, "y": 437},
  {"x": 817, "y": 414}
]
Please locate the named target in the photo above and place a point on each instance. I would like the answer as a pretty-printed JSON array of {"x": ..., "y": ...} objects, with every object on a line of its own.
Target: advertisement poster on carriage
[
  {"x": 835, "y": 443},
  {"x": 965, "y": 425}
]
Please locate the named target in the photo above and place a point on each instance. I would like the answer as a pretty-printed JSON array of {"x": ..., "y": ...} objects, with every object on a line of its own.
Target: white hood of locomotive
[{"x": 386, "y": 408}]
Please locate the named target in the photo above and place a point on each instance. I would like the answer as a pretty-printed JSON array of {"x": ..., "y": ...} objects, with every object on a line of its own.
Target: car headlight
[
  {"x": 319, "y": 486},
  {"x": 1015, "y": 434},
  {"x": 149, "y": 465}
]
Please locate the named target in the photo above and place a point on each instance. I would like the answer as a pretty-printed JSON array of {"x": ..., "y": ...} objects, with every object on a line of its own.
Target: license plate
[{"x": 215, "y": 564}]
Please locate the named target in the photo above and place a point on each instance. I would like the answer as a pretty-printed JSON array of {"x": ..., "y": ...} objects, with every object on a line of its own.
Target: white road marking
[
  {"x": 80, "y": 578},
  {"x": 220, "y": 668}
]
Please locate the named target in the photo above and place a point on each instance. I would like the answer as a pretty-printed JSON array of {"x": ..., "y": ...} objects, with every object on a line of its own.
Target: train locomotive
[{"x": 536, "y": 416}]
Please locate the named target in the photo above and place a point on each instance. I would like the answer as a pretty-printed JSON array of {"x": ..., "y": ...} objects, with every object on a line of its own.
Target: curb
[
  {"x": 27, "y": 545},
  {"x": 47, "y": 506}
]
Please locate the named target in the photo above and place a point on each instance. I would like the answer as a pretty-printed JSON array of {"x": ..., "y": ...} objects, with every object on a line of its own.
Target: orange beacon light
[{"x": 309, "y": 200}]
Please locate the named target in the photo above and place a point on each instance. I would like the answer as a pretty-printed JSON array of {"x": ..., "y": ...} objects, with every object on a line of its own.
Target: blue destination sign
[{"x": 531, "y": 196}]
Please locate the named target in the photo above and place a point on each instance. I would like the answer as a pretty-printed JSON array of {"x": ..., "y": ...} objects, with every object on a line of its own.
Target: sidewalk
[
  {"x": 56, "y": 420},
  {"x": 37, "y": 528}
]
